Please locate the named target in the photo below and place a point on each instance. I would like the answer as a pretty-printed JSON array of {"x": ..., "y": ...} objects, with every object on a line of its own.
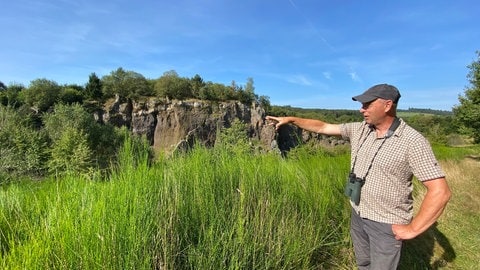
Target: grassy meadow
[
  {"x": 214, "y": 209},
  {"x": 453, "y": 242}
]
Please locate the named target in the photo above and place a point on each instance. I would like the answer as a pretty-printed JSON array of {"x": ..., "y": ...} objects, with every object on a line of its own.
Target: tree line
[{"x": 42, "y": 94}]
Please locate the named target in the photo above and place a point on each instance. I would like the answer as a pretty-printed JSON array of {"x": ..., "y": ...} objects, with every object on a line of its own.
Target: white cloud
[
  {"x": 327, "y": 75},
  {"x": 299, "y": 79},
  {"x": 355, "y": 76}
]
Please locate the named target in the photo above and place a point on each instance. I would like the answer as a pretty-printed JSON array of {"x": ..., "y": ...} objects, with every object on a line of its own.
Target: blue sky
[{"x": 303, "y": 53}]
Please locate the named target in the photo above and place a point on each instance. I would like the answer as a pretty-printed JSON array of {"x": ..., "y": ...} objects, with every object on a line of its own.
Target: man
[{"x": 385, "y": 155}]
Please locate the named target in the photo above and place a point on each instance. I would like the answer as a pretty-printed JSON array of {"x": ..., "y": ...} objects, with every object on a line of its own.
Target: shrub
[
  {"x": 70, "y": 153},
  {"x": 101, "y": 140},
  {"x": 22, "y": 148},
  {"x": 234, "y": 139}
]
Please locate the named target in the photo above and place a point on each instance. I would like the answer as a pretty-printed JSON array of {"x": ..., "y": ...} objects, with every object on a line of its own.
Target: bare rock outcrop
[
  {"x": 167, "y": 124},
  {"x": 178, "y": 124}
]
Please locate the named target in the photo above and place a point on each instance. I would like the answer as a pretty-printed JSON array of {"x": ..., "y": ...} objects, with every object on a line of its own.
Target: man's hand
[
  {"x": 403, "y": 232},
  {"x": 433, "y": 204},
  {"x": 276, "y": 121}
]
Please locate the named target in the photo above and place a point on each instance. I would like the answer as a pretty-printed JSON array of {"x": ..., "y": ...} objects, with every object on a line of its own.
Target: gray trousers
[{"x": 374, "y": 244}]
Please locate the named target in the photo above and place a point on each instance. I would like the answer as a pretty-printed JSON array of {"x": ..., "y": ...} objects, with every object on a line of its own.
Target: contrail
[
  {"x": 311, "y": 25},
  {"x": 293, "y": 4}
]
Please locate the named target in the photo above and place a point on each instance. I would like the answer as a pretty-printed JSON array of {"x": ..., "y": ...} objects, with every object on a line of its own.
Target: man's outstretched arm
[{"x": 312, "y": 125}]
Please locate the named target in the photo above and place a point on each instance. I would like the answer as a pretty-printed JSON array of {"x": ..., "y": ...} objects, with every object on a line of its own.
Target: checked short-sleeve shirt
[{"x": 386, "y": 195}]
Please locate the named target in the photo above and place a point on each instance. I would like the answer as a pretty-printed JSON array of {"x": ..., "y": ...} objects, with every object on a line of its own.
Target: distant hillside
[
  {"x": 427, "y": 111},
  {"x": 344, "y": 115},
  {"x": 329, "y": 115}
]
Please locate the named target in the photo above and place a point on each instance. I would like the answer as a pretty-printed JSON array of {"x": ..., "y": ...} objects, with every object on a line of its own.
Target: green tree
[
  {"x": 74, "y": 86},
  {"x": 42, "y": 94},
  {"x": 70, "y": 95},
  {"x": 215, "y": 92},
  {"x": 126, "y": 84},
  {"x": 467, "y": 113},
  {"x": 245, "y": 95},
  {"x": 249, "y": 92},
  {"x": 206, "y": 93},
  {"x": 171, "y": 85},
  {"x": 11, "y": 95},
  {"x": 93, "y": 89},
  {"x": 265, "y": 103},
  {"x": 197, "y": 84}
]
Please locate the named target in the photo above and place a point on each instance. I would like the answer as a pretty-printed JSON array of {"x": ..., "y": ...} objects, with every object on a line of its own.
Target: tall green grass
[
  {"x": 75, "y": 223},
  {"x": 208, "y": 209},
  {"x": 226, "y": 211}
]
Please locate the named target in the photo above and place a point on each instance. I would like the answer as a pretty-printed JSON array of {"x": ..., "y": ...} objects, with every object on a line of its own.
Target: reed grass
[
  {"x": 214, "y": 209},
  {"x": 209, "y": 209},
  {"x": 259, "y": 212}
]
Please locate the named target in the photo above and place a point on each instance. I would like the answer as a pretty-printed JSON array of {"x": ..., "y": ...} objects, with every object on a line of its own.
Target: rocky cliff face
[{"x": 170, "y": 125}]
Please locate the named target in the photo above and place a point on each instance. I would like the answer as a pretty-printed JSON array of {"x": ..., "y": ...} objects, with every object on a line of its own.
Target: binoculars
[{"x": 354, "y": 187}]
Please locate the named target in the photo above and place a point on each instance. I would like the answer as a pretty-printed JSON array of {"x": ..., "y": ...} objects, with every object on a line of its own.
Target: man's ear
[{"x": 388, "y": 105}]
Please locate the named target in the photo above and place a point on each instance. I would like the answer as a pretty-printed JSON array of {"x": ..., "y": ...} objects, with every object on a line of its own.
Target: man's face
[{"x": 374, "y": 111}]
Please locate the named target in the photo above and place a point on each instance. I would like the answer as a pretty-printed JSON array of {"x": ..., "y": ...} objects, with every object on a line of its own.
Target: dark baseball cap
[{"x": 383, "y": 91}]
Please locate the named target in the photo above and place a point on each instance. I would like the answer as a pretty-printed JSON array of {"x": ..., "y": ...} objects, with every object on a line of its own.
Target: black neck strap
[
  {"x": 393, "y": 127},
  {"x": 390, "y": 132}
]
